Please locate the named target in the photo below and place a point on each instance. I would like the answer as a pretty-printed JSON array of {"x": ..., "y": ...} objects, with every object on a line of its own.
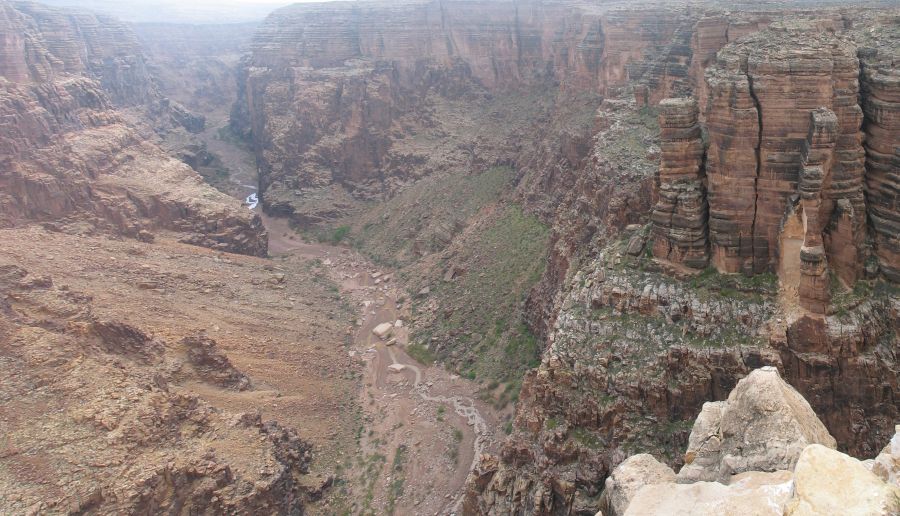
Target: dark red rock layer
[{"x": 761, "y": 94}]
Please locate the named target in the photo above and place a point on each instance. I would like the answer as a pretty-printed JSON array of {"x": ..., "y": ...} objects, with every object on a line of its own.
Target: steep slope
[
  {"x": 70, "y": 154},
  {"x": 140, "y": 379}
]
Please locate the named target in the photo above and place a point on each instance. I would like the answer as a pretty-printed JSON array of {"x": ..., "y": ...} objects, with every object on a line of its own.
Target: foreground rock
[
  {"x": 796, "y": 479},
  {"x": 751, "y": 493},
  {"x": 762, "y": 426},
  {"x": 829, "y": 482},
  {"x": 634, "y": 473}
]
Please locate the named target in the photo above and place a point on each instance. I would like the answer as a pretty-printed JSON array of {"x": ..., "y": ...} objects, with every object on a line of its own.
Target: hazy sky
[{"x": 181, "y": 11}]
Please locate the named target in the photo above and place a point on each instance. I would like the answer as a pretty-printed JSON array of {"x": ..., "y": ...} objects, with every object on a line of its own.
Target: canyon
[{"x": 511, "y": 257}]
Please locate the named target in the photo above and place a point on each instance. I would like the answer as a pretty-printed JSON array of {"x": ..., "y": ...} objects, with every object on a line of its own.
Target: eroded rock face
[
  {"x": 762, "y": 426},
  {"x": 72, "y": 159}
]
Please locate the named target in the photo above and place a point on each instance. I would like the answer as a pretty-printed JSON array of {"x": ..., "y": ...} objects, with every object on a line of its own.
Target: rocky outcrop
[
  {"x": 762, "y": 426},
  {"x": 680, "y": 232},
  {"x": 70, "y": 158},
  {"x": 211, "y": 365},
  {"x": 140, "y": 444},
  {"x": 801, "y": 478}
]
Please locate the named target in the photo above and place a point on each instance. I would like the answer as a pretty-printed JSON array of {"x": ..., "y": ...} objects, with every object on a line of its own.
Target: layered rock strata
[
  {"x": 880, "y": 85},
  {"x": 762, "y": 91},
  {"x": 680, "y": 232}
]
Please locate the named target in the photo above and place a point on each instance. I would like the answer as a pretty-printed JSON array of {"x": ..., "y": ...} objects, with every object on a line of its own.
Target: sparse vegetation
[
  {"x": 339, "y": 234},
  {"x": 420, "y": 354},
  {"x": 481, "y": 306},
  {"x": 395, "y": 490}
]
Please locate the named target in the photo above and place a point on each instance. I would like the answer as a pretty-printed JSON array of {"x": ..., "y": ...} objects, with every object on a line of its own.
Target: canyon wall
[
  {"x": 637, "y": 343},
  {"x": 353, "y": 95},
  {"x": 881, "y": 105},
  {"x": 72, "y": 153}
]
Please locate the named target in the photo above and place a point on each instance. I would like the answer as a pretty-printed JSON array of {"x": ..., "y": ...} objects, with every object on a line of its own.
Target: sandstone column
[
  {"x": 679, "y": 218},
  {"x": 732, "y": 118},
  {"x": 816, "y": 169}
]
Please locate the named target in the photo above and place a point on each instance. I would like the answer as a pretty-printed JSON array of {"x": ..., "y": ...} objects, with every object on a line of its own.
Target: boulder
[
  {"x": 887, "y": 464},
  {"x": 396, "y": 368},
  {"x": 747, "y": 494},
  {"x": 764, "y": 425},
  {"x": 828, "y": 482},
  {"x": 383, "y": 330},
  {"x": 631, "y": 475}
]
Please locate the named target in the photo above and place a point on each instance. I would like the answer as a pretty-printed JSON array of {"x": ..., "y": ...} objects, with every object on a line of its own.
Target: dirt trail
[{"x": 423, "y": 428}]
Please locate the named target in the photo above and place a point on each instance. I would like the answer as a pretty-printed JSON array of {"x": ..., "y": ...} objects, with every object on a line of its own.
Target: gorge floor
[{"x": 421, "y": 429}]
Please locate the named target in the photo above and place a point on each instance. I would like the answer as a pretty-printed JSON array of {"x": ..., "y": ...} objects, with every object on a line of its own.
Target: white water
[{"x": 252, "y": 200}]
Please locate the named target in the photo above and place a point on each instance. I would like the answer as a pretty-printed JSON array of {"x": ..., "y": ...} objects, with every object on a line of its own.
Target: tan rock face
[
  {"x": 829, "y": 482},
  {"x": 762, "y": 426},
  {"x": 750, "y": 494},
  {"x": 630, "y": 476},
  {"x": 887, "y": 464}
]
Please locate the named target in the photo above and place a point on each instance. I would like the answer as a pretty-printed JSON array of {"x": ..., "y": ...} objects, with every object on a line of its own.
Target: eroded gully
[{"x": 413, "y": 455}]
